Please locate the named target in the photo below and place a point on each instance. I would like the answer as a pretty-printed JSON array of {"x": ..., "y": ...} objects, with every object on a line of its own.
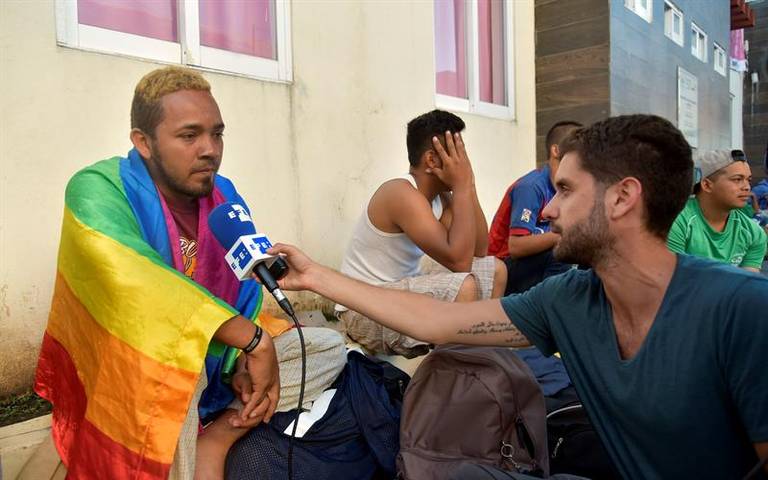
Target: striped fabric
[{"x": 128, "y": 334}]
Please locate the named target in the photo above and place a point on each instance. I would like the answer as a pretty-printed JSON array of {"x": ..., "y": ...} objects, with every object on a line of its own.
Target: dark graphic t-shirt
[{"x": 186, "y": 217}]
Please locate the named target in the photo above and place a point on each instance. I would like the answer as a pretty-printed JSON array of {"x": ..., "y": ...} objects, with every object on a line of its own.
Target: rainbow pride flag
[{"x": 128, "y": 334}]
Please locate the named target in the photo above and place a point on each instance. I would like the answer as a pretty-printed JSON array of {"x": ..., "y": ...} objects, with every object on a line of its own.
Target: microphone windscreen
[{"x": 228, "y": 222}]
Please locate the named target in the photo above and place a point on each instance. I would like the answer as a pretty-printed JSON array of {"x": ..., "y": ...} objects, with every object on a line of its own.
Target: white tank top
[{"x": 377, "y": 257}]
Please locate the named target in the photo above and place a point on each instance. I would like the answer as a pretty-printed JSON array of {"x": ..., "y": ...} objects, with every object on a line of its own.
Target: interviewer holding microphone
[{"x": 665, "y": 350}]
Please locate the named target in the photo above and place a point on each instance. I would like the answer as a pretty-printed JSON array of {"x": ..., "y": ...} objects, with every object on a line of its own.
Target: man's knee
[{"x": 467, "y": 290}]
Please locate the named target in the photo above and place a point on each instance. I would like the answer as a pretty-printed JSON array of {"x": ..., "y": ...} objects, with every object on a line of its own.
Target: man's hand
[
  {"x": 456, "y": 171},
  {"x": 258, "y": 386},
  {"x": 754, "y": 202},
  {"x": 241, "y": 384}
]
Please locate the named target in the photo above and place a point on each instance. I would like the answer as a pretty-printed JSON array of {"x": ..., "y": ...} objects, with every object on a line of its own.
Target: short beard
[
  {"x": 589, "y": 242},
  {"x": 173, "y": 183}
]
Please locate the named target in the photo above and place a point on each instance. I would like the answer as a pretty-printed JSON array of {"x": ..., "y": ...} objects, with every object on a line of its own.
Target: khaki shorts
[{"x": 435, "y": 281}]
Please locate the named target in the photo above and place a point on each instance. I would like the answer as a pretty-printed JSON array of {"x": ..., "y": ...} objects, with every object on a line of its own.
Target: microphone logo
[
  {"x": 241, "y": 257},
  {"x": 239, "y": 212},
  {"x": 247, "y": 251}
]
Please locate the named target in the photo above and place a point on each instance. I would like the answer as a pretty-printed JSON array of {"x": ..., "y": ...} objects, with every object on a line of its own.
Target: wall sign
[{"x": 688, "y": 106}]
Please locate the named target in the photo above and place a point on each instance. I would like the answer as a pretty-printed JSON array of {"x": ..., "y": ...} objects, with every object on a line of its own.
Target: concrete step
[{"x": 18, "y": 443}]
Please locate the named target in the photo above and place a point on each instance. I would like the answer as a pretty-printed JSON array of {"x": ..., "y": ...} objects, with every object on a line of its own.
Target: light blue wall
[{"x": 644, "y": 65}]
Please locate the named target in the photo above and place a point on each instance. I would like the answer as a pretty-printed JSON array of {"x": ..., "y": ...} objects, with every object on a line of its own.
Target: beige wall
[{"x": 306, "y": 156}]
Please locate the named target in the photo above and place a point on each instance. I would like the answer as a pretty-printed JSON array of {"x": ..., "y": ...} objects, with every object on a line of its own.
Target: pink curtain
[
  {"x": 148, "y": 18},
  {"x": 491, "y": 46},
  {"x": 451, "y": 48},
  {"x": 737, "y": 44},
  {"x": 242, "y": 26},
  {"x": 737, "y": 52}
]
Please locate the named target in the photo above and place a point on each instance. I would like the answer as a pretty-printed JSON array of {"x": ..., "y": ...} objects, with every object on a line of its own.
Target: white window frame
[
  {"x": 699, "y": 48},
  {"x": 719, "y": 59},
  {"x": 670, "y": 12},
  {"x": 473, "y": 103},
  {"x": 188, "y": 51},
  {"x": 644, "y": 13}
]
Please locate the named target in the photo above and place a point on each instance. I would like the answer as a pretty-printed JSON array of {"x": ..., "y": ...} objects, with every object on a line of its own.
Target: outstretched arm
[{"x": 418, "y": 316}]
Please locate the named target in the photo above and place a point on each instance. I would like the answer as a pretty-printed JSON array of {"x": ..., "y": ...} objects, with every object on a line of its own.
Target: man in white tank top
[{"x": 433, "y": 210}]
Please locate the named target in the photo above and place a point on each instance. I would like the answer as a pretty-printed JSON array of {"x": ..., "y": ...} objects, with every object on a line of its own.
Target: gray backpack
[{"x": 472, "y": 404}]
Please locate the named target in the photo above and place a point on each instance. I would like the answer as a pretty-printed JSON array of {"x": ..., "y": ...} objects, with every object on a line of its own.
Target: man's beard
[
  {"x": 177, "y": 185},
  {"x": 588, "y": 242}
]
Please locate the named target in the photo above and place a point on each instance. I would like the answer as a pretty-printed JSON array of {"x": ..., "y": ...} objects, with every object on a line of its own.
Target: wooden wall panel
[
  {"x": 565, "y": 12},
  {"x": 587, "y": 33},
  {"x": 578, "y": 92},
  {"x": 572, "y": 64},
  {"x": 756, "y": 97}
]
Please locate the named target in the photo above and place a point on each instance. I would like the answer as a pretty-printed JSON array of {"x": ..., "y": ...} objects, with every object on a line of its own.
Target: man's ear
[
  {"x": 141, "y": 141},
  {"x": 554, "y": 151},
  {"x": 706, "y": 184},
  {"x": 431, "y": 159},
  {"x": 624, "y": 197}
]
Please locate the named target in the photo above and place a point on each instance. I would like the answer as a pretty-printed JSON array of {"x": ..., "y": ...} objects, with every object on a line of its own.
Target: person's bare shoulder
[{"x": 393, "y": 199}]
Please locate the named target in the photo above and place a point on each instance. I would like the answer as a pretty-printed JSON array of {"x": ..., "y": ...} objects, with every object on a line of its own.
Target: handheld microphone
[
  {"x": 247, "y": 250},
  {"x": 246, "y": 253}
]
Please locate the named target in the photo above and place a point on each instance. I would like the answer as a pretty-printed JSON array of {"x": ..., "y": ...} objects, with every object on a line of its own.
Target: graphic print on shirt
[{"x": 188, "y": 255}]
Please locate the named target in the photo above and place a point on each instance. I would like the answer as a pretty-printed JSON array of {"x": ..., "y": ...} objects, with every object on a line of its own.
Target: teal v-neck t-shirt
[{"x": 694, "y": 398}]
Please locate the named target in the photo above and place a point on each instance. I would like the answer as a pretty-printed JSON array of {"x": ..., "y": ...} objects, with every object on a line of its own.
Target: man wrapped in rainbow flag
[{"x": 144, "y": 299}]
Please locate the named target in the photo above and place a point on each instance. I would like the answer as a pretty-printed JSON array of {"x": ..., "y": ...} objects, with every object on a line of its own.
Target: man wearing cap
[{"x": 711, "y": 224}]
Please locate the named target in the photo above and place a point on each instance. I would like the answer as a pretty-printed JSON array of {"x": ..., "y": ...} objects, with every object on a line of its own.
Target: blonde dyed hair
[{"x": 147, "y": 107}]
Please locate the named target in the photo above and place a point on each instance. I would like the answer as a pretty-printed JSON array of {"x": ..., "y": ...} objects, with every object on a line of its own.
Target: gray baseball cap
[
  {"x": 713, "y": 160},
  {"x": 708, "y": 162}
]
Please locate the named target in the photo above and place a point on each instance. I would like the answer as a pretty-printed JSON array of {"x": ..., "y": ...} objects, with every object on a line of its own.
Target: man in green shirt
[{"x": 713, "y": 224}]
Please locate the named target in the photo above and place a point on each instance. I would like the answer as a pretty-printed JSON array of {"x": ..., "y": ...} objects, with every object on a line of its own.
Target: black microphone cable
[
  {"x": 301, "y": 392},
  {"x": 268, "y": 280}
]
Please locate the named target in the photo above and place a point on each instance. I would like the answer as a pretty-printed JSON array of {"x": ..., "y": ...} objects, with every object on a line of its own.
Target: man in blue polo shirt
[
  {"x": 761, "y": 193},
  {"x": 519, "y": 234},
  {"x": 761, "y": 189},
  {"x": 665, "y": 350}
]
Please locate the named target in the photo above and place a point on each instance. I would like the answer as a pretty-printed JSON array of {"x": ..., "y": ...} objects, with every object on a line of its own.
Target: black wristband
[{"x": 254, "y": 341}]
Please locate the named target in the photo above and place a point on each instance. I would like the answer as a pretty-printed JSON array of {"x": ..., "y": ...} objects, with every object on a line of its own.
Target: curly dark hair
[
  {"x": 646, "y": 147},
  {"x": 422, "y": 128}
]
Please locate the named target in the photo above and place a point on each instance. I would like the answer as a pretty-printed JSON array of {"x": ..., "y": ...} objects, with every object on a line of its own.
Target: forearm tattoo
[{"x": 513, "y": 337}]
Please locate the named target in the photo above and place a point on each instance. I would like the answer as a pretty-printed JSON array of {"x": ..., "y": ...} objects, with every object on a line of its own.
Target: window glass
[
  {"x": 451, "y": 48},
  {"x": 147, "y": 18},
  {"x": 246, "y": 27},
  {"x": 491, "y": 49}
]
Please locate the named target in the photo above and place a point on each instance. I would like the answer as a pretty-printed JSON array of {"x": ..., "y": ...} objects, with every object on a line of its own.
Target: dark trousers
[
  {"x": 474, "y": 471},
  {"x": 525, "y": 272}
]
